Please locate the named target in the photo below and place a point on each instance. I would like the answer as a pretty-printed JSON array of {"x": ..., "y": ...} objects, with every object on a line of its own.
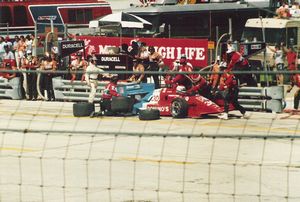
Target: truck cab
[{"x": 276, "y": 31}]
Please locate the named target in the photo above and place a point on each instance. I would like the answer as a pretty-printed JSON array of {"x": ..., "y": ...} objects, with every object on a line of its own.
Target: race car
[{"x": 173, "y": 101}]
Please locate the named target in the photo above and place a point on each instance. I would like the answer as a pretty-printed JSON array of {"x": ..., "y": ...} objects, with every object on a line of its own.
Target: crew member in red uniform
[
  {"x": 182, "y": 79},
  {"x": 109, "y": 92},
  {"x": 200, "y": 86},
  {"x": 296, "y": 81},
  {"x": 236, "y": 62},
  {"x": 229, "y": 90}
]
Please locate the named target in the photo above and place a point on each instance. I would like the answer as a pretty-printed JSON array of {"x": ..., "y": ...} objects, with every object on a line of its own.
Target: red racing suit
[
  {"x": 229, "y": 91},
  {"x": 237, "y": 60},
  {"x": 202, "y": 87},
  {"x": 182, "y": 79},
  {"x": 110, "y": 90}
]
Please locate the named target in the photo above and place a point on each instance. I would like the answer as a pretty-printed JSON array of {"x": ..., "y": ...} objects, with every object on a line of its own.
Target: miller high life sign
[{"x": 170, "y": 49}]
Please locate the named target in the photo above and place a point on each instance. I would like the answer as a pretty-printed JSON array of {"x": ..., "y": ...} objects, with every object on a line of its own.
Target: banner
[
  {"x": 66, "y": 48},
  {"x": 170, "y": 49}
]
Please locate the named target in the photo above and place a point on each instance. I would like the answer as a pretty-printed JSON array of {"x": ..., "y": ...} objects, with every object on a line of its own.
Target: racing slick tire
[
  {"x": 121, "y": 104},
  {"x": 149, "y": 114},
  {"x": 83, "y": 109},
  {"x": 179, "y": 108}
]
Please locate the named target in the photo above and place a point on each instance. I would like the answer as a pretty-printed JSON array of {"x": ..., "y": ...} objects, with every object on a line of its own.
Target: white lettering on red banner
[{"x": 170, "y": 49}]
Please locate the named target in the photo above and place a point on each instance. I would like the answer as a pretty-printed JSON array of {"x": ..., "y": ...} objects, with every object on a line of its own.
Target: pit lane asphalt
[
  {"x": 58, "y": 116},
  {"x": 38, "y": 135}
]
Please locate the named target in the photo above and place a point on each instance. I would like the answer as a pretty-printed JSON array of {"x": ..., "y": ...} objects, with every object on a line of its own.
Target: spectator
[
  {"x": 8, "y": 43},
  {"x": 8, "y": 65},
  {"x": 8, "y": 55},
  {"x": 2, "y": 50},
  {"x": 21, "y": 47},
  {"x": 34, "y": 44},
  {"x": 279, "y": 64},
  {"x": 138, "y": 75},
  {"x": 77, "y": 65},
  {"x": 48, "y": 66},
  {"x": 156, "y": 64},
  {"x": 31, "y": 63},
  {"x": 15, "y": 48}
]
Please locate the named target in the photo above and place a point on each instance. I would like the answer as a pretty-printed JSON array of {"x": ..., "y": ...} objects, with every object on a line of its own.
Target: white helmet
[
  {"x": 230, "y": 49},
  {"x": 28, "y": 52},
  {"x": 54, "y": 50},
  {"x": 180, "y": 89}
]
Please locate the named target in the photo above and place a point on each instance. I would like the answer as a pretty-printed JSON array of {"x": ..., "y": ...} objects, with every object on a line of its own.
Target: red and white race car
[{"x": 173, "y": 102}]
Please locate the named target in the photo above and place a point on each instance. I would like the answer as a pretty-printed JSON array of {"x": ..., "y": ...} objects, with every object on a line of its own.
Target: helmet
[
  {"x": 230, "y": 50},
  {"x": 182, "y": 61},
  {"x": 180, "y": 89},
  {"x": 7, "y": 65},
  {"x": 195, "y": 77},
  {"x": 28, "y": 52},
  {"x": 114, "y": 78}
]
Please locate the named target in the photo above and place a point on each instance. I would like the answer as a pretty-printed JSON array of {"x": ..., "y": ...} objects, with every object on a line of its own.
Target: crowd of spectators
[{"x": 19, "y": 53}]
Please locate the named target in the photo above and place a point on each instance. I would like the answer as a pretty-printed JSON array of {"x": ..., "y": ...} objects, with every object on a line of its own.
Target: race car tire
[
  {"x": 121, "y": 104},
  {"x": 179, "y": 108},
  {"x": 83, "y": 109},
  {"x": 149, "y": 114}
]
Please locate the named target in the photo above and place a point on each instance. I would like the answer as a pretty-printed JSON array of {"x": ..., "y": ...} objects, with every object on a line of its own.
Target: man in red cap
[
  {"x": 237, "y": 62},
  {"x": 182, "y": 79}
]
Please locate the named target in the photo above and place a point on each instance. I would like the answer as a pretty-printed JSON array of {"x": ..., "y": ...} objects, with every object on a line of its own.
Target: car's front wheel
[{"x": 179, "y": 108}]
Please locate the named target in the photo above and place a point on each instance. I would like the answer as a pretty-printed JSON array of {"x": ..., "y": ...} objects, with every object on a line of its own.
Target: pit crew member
[{"x": 229, "y": 91}]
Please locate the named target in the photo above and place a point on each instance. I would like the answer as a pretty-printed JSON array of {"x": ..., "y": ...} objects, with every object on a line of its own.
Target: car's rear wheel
[
  {"x": 179, "y": 108},
  {"x": 121, "y": 104},
  {"x": 83, "y": 109}
]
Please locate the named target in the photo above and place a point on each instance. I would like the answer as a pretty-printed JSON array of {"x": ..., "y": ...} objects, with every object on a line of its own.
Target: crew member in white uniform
[{"x": 91, "y": 78}]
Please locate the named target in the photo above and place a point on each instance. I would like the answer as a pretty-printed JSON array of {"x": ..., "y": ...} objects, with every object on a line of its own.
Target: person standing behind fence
[
  {"x": 31, "y": 63},
  {"x": 21, "y": 47},
  {"x": 48, "y": 66},
  {"x": 91, "y": 77},
  {"x": 279, "y": 64},
  {"x": 2, "y": 51},
  {"x": 156, "y": 64},
  {"x": 77, "y": 65}
]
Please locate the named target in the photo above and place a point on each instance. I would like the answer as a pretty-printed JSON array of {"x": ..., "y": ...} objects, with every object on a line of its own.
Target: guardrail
[
  {"x": 263, "y": 98},
  {"x": 67, "y": 90},
  {"x": 258, "y": 98},
  {"x": 10, "y": 89}
]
